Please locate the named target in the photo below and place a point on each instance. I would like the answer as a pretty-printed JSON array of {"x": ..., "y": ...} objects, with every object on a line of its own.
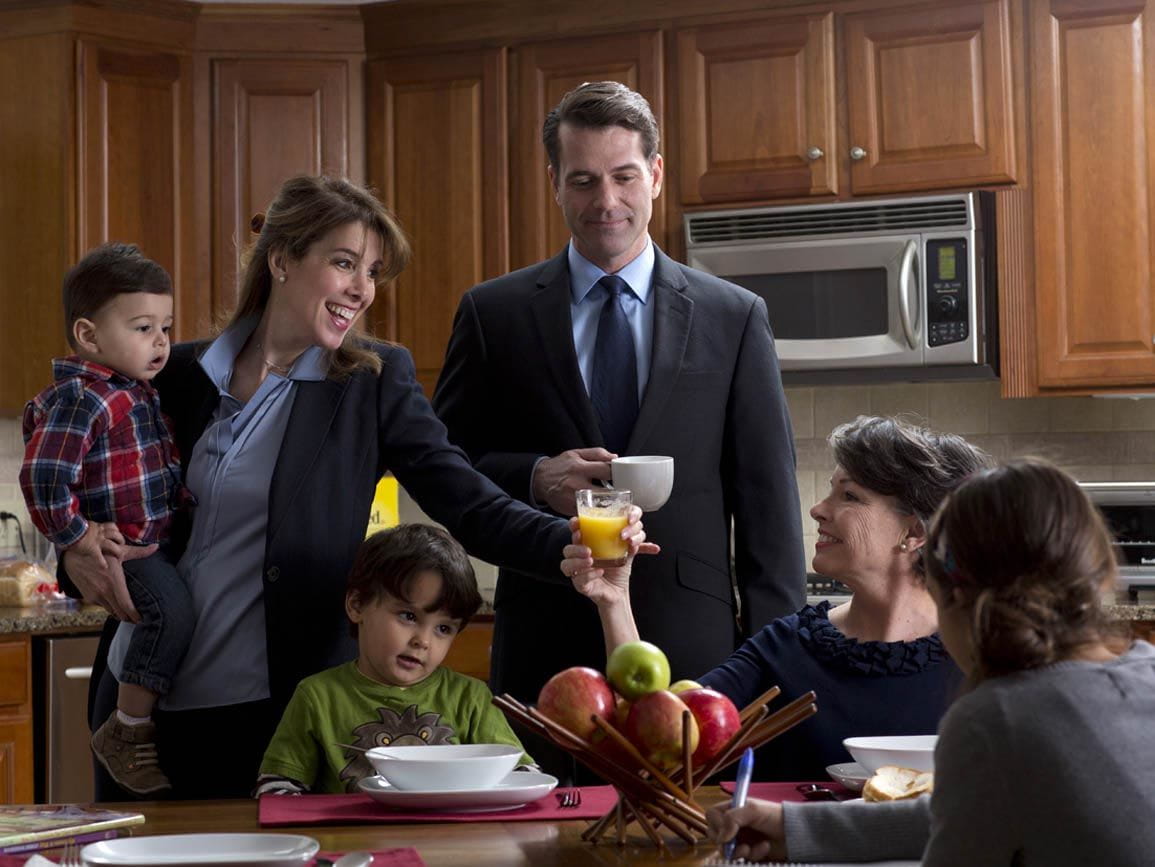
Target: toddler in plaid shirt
[{"x": 101, "y": 475}]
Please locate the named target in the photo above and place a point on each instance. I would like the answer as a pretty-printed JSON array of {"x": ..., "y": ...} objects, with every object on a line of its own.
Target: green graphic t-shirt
[{"x": 341, "y": 705}]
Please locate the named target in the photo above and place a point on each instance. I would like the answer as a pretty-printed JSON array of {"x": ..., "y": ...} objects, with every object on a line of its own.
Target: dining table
[{"x": 490, "y": 842}]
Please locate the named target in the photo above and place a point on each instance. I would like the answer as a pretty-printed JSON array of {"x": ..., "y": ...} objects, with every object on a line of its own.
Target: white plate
[
  {"x": 266, "y": 850},
  {"x": 516, "y": 790},
  {"x": 850, "y": 774}
]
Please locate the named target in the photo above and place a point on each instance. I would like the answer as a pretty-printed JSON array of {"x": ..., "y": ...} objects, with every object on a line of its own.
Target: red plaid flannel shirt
[{"x": 98, "y": 448}]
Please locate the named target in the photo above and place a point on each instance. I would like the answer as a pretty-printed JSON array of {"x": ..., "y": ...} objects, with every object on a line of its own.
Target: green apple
[
  {"x": 684, "y": 685},
  {"x": 637, "y": 668}
]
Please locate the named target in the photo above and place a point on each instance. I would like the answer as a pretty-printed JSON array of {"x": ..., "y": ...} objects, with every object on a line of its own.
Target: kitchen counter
[
  {"x": 1118, "y": 610},
  {"x": 58, "y": 617}
]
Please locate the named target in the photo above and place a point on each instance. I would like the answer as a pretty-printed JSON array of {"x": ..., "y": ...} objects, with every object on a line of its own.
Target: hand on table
[
  {"x": 557, "y": 480},
  {"x": 610, "y": 584},
  {"x": 758, "y": 826},
  {"x": 95, "y": 565}
]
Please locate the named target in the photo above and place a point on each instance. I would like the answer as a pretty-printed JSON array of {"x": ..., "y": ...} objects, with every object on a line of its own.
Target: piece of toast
[{"x": 892, "y": 783}]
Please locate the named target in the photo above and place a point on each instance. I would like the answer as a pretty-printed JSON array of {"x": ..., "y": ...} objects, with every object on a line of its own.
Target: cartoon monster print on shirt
[{"x": 407, "y": 729}]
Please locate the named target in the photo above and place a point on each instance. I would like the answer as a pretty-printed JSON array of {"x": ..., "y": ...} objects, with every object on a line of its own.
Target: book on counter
[{"x": 48, "y": 826}]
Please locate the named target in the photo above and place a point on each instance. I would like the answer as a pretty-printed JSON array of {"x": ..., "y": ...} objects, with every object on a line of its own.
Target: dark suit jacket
[
  {"x": 511, "y": 392},
  {"x": 342, "y": 436}
]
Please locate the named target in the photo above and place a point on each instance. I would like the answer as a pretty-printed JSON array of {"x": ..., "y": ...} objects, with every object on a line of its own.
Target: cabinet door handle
[
  {"x": 79, "y": 672},
  {"x": 815, "y": 153},
  {"x": 857, "y": 153}
]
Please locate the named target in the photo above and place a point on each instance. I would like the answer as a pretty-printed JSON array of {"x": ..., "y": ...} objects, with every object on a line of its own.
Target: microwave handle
[{"x": 906, "y": 280}]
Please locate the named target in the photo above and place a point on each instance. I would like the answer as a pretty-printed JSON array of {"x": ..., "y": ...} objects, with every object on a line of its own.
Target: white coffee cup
[{"x": 649, "y": 477}]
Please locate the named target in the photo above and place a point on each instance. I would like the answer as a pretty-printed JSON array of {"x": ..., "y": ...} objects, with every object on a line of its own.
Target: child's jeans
[{"x": 159, "y": 641}]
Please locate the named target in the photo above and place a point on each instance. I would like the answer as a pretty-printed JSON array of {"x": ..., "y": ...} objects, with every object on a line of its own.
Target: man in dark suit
[{"x": 523, "y": 394}]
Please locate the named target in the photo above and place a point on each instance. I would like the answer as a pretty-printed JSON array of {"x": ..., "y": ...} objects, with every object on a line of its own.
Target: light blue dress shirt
[
  {"x": 230, "y": 473},
  {"x": 586, "y": 307}
]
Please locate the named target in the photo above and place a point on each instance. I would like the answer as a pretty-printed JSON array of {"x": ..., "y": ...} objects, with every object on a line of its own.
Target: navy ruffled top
[{"x": 862, "y": 688}]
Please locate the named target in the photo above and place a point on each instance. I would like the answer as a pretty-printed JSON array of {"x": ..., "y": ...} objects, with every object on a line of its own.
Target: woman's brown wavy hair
[
  {"x": 1031, "y": 555},
  {"x": 305, "y": 210}
]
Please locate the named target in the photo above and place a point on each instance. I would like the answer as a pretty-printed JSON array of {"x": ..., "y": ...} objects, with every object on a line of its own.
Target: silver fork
[
  {"x": 70, "y": 857},
  {"x": 569, "y": 798}
]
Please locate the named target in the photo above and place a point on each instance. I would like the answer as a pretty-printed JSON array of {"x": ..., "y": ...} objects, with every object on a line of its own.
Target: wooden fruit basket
[{"x": 648, "y": 795}]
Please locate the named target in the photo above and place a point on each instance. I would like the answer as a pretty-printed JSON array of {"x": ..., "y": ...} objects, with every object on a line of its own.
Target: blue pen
[{"x": 741, "y": 787}]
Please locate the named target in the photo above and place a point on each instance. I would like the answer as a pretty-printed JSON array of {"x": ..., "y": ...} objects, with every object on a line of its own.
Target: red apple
[
  {"x": 654, "y": 726},
  {"x": 608, "y": 746},
  {"x": 621, "y": 713},
  {"x": 717, "y": 720},
  {"x": 571, "y": 697}
]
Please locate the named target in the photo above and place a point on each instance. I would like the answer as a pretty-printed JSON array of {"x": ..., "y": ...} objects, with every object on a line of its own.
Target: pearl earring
[
  {"x": 902, "y": 546},
  {"x": 282, "y": 278}
]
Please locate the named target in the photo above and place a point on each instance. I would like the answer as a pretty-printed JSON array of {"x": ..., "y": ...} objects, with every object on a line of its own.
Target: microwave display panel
[
  {"x": 822, "y": 305},
  {"x": 947, "y": 263},
  {"x": 1133, "y": 533}
]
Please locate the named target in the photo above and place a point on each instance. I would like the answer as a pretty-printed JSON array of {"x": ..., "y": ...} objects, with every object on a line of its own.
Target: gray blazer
[{"x": 511, "y": 392}]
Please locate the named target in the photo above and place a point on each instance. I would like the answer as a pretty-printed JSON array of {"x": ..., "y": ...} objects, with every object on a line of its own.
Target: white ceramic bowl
[
  {"x": 906, "y": 751},
  {"x": 444, "y": 767}
]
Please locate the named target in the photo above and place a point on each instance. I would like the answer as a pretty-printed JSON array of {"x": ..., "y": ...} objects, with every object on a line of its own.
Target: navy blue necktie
[{"x": 614, "y": 380}]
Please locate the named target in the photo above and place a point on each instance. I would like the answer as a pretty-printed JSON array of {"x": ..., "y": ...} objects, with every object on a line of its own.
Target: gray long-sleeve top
[{"x": 1049, "y": 767}]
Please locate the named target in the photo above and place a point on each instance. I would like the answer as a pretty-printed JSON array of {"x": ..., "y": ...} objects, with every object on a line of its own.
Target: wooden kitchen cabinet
[
  {"x": 279, "y": 92},
  {"x": 271, "y": 119},
  {"x": 1092, "y": 83},
  {"x": 756, "y": 110},
  {"x": 930, "y": 97},
  {"x": 16, "y": 758},
  {"x": 437, "y": 153},
  {"x": 546, "y": 71},
  {"x": 928, "y": 92},
  {"x": 94, "y": 133}
]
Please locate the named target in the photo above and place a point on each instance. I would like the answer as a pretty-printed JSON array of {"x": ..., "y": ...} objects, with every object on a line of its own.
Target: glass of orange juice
[{"x": 602, "y": 515}]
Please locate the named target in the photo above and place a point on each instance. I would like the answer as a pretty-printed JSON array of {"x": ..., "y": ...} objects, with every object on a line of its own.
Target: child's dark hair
[
  {"x": 1031, "y": 555},
  {"x": 389, "y": 561},
  {"x": 107, "y": 271}
]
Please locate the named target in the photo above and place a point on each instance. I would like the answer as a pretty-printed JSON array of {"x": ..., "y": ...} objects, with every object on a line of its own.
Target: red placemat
[
  {"x": 785, "y": 791},
  {"x": 278, "y": 810}
]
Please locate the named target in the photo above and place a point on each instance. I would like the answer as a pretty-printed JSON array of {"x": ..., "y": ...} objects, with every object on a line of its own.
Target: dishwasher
[{"x": 62, "y": 667}]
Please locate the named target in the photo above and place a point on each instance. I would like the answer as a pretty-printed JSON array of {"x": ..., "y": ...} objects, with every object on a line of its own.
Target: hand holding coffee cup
[{"x": 650, "y": 478}]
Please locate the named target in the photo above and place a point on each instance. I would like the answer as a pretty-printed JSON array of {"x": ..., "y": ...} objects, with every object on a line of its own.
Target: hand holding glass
[{"x": 602, "y": 515}]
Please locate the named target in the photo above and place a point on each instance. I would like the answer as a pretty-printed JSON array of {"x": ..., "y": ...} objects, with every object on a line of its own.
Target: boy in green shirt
[{"x": 411, "y": 590}]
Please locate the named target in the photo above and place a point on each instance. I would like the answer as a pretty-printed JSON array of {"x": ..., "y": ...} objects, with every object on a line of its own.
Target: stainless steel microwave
[{"x": 880, "y": 290}]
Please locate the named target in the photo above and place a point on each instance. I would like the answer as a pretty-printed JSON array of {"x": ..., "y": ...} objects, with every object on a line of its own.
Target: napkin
[
  {"x": 391, "y": 857},
  {"x": 278, "y": 810}
]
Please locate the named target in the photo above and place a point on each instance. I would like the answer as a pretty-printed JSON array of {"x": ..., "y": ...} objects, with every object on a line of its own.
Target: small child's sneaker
[{"x": 128, "y": 753}]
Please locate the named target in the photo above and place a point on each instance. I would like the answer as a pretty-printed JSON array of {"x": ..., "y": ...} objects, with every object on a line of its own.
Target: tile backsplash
[{"x": 1095, "y": 439}]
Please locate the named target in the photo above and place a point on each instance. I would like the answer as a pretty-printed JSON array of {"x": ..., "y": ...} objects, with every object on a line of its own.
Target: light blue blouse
[{"x": 230, "y": 473}]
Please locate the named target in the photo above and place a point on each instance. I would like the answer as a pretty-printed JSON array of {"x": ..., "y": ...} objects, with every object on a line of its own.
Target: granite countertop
[
  {"x": 57, "y": 617},
  {"x": 1117, "y": 610},
  {"x": 90, "y": 618},
  {"x": 1130, "y": 611}
]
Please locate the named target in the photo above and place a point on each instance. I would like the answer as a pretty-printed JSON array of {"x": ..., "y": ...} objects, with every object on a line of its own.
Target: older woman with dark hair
[{"x": 876, "y": 662}]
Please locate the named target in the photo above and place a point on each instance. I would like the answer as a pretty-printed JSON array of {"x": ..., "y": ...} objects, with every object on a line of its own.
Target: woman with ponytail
[{"x": 1049, "y": 758}]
